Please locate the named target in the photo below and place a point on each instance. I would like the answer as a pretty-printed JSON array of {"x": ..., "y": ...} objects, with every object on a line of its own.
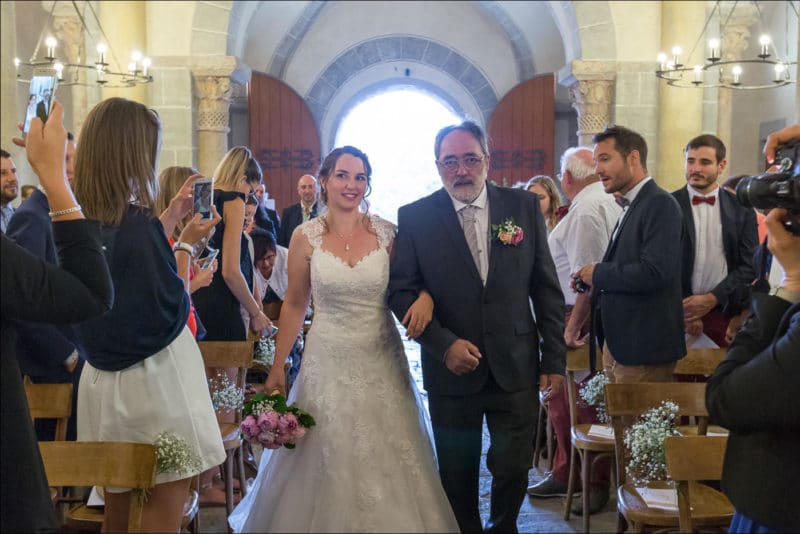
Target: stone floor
[{"x": 536, "y": 515}]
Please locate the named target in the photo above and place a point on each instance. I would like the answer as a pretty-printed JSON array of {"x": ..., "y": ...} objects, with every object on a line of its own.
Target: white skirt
[{"x": 164, "y": 392}]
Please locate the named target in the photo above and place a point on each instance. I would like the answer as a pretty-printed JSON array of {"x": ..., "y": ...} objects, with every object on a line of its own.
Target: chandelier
[
  {"x": 767, "y": 71},
  {"x": 98, "y": 71}
]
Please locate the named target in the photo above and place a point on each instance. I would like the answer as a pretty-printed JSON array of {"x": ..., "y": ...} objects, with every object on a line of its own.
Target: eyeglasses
[{"x": 451, "y": 164}]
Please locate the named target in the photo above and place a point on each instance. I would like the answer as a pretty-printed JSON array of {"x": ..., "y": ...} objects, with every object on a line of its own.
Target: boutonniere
[{"x": 508, "y": 233}]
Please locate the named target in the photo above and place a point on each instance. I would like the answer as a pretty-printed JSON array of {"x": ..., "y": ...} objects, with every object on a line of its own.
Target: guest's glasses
[{"x": 450, "y": 164}]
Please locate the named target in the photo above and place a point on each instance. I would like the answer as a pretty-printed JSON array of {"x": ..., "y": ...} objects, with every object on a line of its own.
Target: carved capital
[
  {"x": 738, "y": 17},
  {"x": 592, "y": 100},
  {"x": 69, "y": 31},
  {"x": 213, "y": 101}
]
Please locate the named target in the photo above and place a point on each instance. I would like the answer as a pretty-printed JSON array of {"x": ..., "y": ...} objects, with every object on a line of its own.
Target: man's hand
[
  {"x": 585, "y": 273},
  {"x": 462, "y": 357},
  {"x": 697, "y": 306},
  {"x": 785, "y": 246},
  {"x": 694, "y": 327},
  {"x": 549, "y": 385},
  {"x": 573, "y": 338},
  {"x": 734, "y": 325},
  {"x": 781, "y": 137}
]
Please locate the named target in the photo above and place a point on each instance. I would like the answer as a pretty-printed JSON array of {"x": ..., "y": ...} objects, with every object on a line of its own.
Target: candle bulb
[
  {"x": 101, "y": 75},
  {"x": 101, "y": 53},
  {"x": 59, "y": 67},
  {"x": 132, "y": 67},
  {"x": 780, "y": 69},
  {"x": 713, "y": 49},
  {"x": 737, "y": 73},
  {"x": 16, "y": 63},
  {"x": 698, "y": 74},
  {"x": 662, "y": 60},
  {"x": 146, "y": 65},
  {"x": 764, "y": 41},
  {"x": 676, "y": 52},
  {"x": 51, "y": 43}
]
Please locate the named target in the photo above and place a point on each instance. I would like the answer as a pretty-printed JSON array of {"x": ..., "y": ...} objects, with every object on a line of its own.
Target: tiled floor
[{"x": 536, "y": 515}]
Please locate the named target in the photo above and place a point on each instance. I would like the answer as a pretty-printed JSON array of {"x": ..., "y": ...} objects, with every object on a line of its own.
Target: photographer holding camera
[{"x": 752, "y": 392}]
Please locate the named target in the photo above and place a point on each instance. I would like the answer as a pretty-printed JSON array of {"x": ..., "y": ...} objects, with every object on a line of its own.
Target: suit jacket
[
  {"x": 638, "y": 283},
  {"x": 431, "y": 252},
  {"x": 264, "y": 221},
  {"x": 753, "y": 393},
  {"x": 33, "y": 290},
  {"x": 739, "y": 240},
  {"x": 41, "y": 348},
  {"x": 292, "y": 218}
]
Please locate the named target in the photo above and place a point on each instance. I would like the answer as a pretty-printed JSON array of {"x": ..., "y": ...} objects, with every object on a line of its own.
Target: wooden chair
[
  {"x": 107, "y": 463},
  {"x": 543, "y": 424},
  {"x": 50, "y": 401},
  {"x": 586, "y": 447},
  {"x": 700, "y": 362},
  {"x": 224, "y": 355},
  {"x": 691, "y": 459},
  {"x": 624, "y": 402}
]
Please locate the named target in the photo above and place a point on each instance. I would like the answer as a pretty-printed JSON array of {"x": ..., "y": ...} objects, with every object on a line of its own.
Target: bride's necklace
[{"x": 344, "y": 237}]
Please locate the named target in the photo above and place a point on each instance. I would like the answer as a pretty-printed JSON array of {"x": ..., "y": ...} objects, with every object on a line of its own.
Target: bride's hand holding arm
[
  {"x": 293, "y": 310},
  {"x": 419, "y": 314}
]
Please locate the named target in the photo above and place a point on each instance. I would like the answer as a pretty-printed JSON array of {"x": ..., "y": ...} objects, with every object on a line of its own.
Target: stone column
[
  {"x": 734, "y": 42},
  {"x": 680, "y": 109},
  {"x": 592, "y": 93},
  {"x": 213, "y": 101}
]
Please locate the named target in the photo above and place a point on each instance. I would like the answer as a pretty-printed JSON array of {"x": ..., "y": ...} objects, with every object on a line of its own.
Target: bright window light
[{"x": 396, "y": 130}]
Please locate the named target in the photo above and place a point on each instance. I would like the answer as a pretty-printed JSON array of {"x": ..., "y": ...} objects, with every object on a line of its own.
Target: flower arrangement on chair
[
  {"x": 592, "y": 393},
  {"x": 175, "y": 455},
  {"x": 225, "y": 395},
  {"x": 271, "y": 423},
  {"x": 645, "y": 442}
]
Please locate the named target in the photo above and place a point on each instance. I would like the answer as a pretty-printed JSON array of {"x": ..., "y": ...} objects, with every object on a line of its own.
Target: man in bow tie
[{"x": 720, "y": 238}]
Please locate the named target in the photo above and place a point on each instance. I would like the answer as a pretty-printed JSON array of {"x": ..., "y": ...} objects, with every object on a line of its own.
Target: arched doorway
[{"x": 396, "y": 129}]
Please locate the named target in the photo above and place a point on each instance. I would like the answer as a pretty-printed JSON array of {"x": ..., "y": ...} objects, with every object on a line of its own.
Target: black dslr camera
[{"x": 776, "y": 190}]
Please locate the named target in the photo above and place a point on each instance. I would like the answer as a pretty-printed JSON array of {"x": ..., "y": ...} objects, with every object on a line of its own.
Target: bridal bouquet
[
  {"x": 270, "y": 422},
  {"x": 645, "y": 442}
]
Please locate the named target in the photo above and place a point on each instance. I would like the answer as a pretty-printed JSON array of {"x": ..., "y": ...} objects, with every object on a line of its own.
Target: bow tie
[
  {"x": 703, "y": 200},
  {"x": 623, "y": 202}
]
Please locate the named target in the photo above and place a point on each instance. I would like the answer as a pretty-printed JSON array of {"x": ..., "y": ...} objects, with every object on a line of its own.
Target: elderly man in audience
[
  {"x": 580, "y": 238},
  {"x": 719, "y": 238},
  {"x": 297, "y": 214},
  {"x": 47, "y": 353},
  {"x": 637, "y": 284}
]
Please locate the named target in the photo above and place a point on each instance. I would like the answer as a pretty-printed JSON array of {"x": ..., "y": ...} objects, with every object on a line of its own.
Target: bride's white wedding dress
[{"x": 368, "y": 465}]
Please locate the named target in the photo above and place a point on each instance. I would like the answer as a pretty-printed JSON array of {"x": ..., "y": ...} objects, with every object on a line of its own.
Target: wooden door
[
  {"x": 522, "y": 132},
  {"x": 283, "y": 137}
]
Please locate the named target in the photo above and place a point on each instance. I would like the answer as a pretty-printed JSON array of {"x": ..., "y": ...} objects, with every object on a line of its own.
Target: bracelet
[
  {"x": 67, "y": 211},
  {"x": 180, "y": 245}
]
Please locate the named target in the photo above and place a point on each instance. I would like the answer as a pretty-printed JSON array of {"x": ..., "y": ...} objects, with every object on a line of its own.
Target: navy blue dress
[{"x": 216, "y": 305}]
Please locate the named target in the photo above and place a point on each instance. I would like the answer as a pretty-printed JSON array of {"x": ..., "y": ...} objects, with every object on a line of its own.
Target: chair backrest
[
  {"x": 50, "y": 401},
  {"x": 700, "y": 361},
  {"x": 107, "y": 463},
  {"x": 692, "y": 458},
  {"x": 577, "y": 360},
  {"x": 226, "y": 355},
  {"x": 624, "y": 402}
]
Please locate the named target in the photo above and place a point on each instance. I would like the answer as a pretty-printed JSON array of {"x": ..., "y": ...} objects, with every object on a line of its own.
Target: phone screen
[
  {"x": 208, "y": 259},
  {"x": 40, "y": 98},
  {"x": 203, "y": 193}
]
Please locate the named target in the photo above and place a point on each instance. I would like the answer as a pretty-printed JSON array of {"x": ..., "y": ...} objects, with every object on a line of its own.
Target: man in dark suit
[
  {"x": 45, "y": 352},
  {"x": 481, "y": 252},
  {"x": 266, "y": 218},
  {"x": 639, "y": 312},
  {"x": 297, "y": 214},
  {"x": 720, "y": 238}
]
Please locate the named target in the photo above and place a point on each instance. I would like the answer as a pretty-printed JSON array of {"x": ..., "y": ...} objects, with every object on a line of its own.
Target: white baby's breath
[
  {"x": 644, "y": 441},
  {"x": 593, "y": 393},
  {"x": 174, "y": 455},
  {"x": 225, "y": 395},
  {"x": 265, "y": 351}
]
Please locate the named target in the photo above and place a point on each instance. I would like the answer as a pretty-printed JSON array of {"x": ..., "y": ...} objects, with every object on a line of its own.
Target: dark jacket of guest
[
  {"x": 292, "y": 218},
  {"x": 268, "y": 220},
  {"x": 753, "y": 393},
  {"x": 33, "y": 290}
]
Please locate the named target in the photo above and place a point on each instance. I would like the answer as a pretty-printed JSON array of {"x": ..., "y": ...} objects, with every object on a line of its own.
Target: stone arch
[{"x": 401, "y": 48}]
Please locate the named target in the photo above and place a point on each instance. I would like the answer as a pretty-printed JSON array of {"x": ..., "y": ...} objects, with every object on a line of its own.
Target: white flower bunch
[
  {"x": 265, "y": 351},
  {"x": 263, "y": 406},
  {"x": 225, "y": 395},
  {"x": 593, "y": 393},
  {"x": 645, "y": 443},
  {"x": 174, "y": 455}
]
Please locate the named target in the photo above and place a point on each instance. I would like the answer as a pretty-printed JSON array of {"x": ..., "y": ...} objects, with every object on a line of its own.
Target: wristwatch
[
  {"x": 786, "y": 294},
  {"x": 180, "y": 245}
]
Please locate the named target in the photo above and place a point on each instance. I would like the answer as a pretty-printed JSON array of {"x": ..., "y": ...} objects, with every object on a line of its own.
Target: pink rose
[
  {"x": 267, "y": 440},
  {"x": 288, "y": 423},
  {"x": 299, "y": 432},
  {"x": 249, "y": 426},
  {"x": 268, "y": 421},
  {"x": 516, "y": 239}
]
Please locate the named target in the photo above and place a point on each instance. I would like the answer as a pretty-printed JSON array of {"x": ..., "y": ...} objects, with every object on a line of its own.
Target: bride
[{"x": 368, "y": 464}]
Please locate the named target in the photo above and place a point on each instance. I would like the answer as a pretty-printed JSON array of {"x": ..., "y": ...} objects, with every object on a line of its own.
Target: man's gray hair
[{"x": 577, "y": 167}]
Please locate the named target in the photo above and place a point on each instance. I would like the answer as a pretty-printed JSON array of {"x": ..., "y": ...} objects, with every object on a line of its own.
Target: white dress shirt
[
  {"x": 481, "y": 228},
  {"x": 582, "y": 236},
  {"x": 710, "y": 267},
  {"x": 630, "y": 196}
]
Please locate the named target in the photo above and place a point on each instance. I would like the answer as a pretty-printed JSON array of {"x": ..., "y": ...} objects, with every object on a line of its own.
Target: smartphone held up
[
  {"x": 203, "y": 197},
  {"x": 40, "y": 96}
]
